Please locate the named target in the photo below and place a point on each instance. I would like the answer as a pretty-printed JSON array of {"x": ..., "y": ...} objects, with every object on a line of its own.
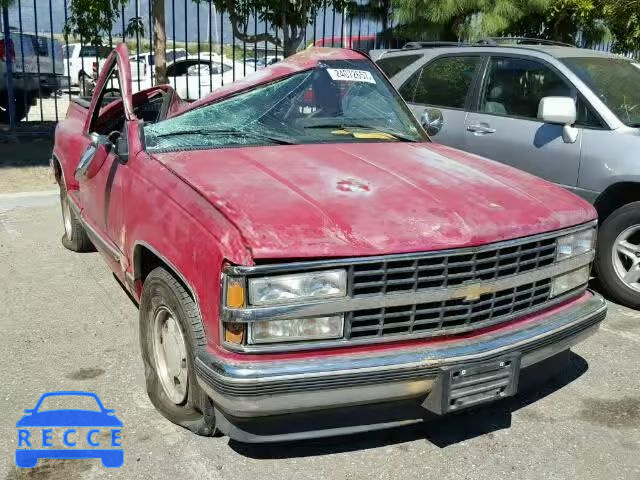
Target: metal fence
[{"x": 44, "y": 68}]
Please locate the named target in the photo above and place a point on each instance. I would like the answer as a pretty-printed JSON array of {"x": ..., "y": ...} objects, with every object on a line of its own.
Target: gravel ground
[{"x": 67, "y": 325}]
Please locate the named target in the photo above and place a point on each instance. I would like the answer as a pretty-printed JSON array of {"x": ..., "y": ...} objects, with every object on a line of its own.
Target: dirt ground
[
  {"x": 24, "y": 164},
  {"x": 68, "y": 325}
]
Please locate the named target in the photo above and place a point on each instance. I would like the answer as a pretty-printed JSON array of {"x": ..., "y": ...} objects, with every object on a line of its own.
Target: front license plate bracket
[{"x": 467, "y": 385}]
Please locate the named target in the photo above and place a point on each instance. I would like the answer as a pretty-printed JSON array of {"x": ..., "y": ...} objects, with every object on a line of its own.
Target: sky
[{"x": 51, "y": 13}]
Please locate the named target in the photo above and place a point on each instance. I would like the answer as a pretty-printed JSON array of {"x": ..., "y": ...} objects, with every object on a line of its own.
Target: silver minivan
[{"x": 565, "y": 114}]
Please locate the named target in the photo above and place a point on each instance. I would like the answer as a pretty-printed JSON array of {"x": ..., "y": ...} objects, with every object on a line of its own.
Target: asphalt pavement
[{"x": 67, "y": 325}]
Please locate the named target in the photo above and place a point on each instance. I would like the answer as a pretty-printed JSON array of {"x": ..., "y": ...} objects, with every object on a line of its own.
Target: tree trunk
[
  {"x": 290, "y": 46},
  {"x": 290, "y": 39},
  {"x": 159, "y": 41},
  {"x": 385, "y": 23},
  {"x": 450, "y": 29}
]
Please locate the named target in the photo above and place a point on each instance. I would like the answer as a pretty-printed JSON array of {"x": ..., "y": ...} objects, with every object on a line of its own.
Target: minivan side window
[
  {"x": 515, "y": 86},
  {"x": 391, "y": 66},
  {"x": 445, "y": 82}
]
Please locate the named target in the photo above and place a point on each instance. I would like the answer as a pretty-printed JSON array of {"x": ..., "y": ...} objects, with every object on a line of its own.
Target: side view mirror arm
[
  {"x": 569, "y": 134},
  {"x": 122, "y": 145}
]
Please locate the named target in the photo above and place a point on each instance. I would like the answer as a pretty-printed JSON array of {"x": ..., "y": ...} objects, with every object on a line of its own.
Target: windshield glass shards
[{"x": 337, "y": 101}]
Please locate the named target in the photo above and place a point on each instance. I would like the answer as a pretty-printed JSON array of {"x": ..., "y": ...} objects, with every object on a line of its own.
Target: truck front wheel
[
  {"x": 618, "y": 255},
  {"x": 75, "y": 237},
  {"x": 170, "y": 333}
]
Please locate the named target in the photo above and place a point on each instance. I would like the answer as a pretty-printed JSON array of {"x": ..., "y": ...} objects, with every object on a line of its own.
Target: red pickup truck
[{"x": 307, "y": 262}]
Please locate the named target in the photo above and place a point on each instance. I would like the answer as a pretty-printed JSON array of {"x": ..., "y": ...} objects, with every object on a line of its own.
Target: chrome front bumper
[{"x": 271, "y": 387}]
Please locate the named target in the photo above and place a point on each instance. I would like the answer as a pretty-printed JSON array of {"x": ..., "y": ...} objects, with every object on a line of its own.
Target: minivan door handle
[{"x": 481, "y": 129}]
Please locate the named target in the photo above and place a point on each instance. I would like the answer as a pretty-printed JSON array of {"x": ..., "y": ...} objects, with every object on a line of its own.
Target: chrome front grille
[
  {"x": 449, "y": 316},
  {"x": 425, "y": 294},
  {"x": 442, "y": 271}
]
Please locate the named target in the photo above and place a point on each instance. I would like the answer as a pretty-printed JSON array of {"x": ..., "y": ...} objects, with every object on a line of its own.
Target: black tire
[
  {"x": 74, "y": 238},
  {"x": 22, "y": 105},
  {"x": 161, "y": 291},
  {"x": 616, "y": 223}
]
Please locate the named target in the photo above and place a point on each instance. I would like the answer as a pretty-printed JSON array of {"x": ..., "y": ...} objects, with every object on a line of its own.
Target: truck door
[{"x": 100, "y": 168}]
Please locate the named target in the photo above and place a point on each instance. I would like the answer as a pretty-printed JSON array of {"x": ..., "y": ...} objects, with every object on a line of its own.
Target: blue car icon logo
[{"x": 35, "y": 432}]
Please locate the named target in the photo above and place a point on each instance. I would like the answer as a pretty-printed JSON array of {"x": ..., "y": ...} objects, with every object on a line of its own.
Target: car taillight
[{"x": 3, "y": 50}]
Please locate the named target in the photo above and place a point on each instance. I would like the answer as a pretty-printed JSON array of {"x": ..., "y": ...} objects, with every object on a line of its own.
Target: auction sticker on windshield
[{"x": 350, "y": 75}]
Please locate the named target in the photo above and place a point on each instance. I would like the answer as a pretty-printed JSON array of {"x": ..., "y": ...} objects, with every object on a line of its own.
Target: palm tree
[{"x": 468, "y": 19}]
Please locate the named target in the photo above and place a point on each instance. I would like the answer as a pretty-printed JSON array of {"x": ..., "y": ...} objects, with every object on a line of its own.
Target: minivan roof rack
[
  {"x": 499, "y": 41},
  {"x": 433, "y": 44}
]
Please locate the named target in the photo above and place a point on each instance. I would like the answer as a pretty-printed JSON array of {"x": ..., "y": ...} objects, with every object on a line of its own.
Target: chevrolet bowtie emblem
[{"x": 474, "y": 291}]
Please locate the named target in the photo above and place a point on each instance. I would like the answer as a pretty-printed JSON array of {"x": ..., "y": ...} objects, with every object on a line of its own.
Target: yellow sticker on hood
[{"x": 366, "y": 135}]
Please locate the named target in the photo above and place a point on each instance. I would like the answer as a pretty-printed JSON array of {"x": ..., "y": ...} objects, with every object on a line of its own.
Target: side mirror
[
  {"x": 28, "y": 410},
  {"x": 432, "y": 121},
  {"x": 122, "y": 145},
  {"x": 560, "y": 111},
  {"x": 94, "y": 156},
  {"x": 100, "y": 140}
]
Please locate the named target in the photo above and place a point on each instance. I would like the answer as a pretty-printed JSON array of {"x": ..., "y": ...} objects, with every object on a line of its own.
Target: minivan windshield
[
  {"x": 615, "y": 81},
  {"x": 337, "y": 101}
]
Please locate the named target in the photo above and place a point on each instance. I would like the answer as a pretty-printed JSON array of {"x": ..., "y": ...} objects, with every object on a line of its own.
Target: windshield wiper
[
  {"x": 347, "y": 127},
  {"x": 230, "y": 133}
]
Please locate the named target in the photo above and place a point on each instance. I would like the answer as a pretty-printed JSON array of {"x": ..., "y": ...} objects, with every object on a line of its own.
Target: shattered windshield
[{"x": 337, "y": 101}]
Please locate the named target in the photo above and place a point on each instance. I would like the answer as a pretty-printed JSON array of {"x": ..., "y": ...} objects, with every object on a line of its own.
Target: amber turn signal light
[
  {"x": 235, "y": 294},
  {"x": 234, "y": 333}
]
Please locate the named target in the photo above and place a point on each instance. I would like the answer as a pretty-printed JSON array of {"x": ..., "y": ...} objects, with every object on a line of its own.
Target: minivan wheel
[
  {"x": 171, "y": 332},
  {"x": 618, "y": 255}
]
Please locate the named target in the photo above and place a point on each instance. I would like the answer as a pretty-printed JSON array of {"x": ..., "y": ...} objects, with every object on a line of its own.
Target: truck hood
[{"x": 352, "y": 199}]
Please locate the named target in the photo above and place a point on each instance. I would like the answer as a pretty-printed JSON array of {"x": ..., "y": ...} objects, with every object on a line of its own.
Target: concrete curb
[{"x": 43, "y": 198}]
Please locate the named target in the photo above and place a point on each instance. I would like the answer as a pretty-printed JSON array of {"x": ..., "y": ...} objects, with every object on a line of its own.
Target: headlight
[
  {"x": 297, "y": 288},
  {"x": 569, "y": 281},
  {"x": 297, "y": 329},
  {"x": 576, "y": 243}
]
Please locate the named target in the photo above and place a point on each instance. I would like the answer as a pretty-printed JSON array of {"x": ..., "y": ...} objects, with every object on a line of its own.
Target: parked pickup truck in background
[
  {"x": 37, "y": 70},
  {"x": 298, "y": 247}
]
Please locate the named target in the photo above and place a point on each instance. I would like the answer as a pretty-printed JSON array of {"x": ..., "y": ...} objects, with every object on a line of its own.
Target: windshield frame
[
  {"x": 421, "y": 135},
  {"x": 611, "y": 116}
]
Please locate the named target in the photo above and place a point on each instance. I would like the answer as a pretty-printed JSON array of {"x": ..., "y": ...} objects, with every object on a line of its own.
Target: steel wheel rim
[
  {"x": 66, "y": 217},
  {"x": 626, "y": 257},
  {"x": 170, "y": 354}
]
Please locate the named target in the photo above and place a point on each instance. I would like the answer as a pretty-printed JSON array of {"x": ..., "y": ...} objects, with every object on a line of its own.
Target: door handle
[{"x": 481, "y": 129}]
